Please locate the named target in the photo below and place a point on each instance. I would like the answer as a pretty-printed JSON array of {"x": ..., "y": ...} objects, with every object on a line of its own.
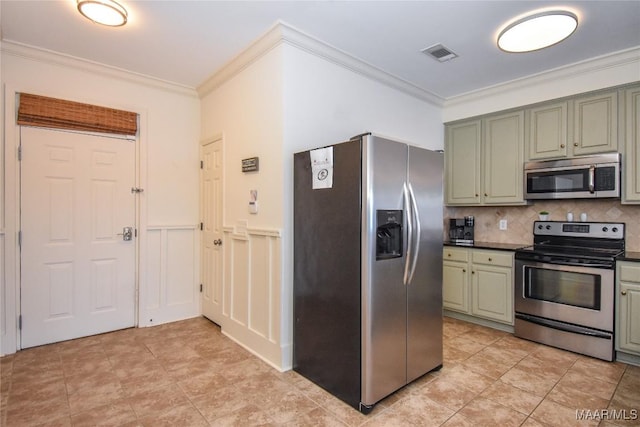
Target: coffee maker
[{"x": 461, "y": 230}]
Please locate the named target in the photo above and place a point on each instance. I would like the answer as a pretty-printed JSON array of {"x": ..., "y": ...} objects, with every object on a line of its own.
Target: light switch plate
[{"x": 503, "y": 224}]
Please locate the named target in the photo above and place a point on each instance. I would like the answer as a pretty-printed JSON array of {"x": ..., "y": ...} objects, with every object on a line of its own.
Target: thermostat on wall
[{"x": 253, "y": 201}]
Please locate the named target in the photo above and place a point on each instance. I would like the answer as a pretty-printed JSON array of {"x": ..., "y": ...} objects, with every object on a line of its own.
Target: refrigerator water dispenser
[{"x": 388, "y": 234}]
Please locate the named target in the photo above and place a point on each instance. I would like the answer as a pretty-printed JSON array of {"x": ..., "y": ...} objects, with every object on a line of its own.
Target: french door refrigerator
[{"x": 367, "y": 267}]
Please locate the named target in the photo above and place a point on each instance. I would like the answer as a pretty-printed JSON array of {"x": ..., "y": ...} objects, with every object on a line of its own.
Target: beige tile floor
[{"x": 188, "y": 374}]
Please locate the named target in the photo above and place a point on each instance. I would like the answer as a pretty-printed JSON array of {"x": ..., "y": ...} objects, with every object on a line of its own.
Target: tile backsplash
[{"x": 520, "y": 219}]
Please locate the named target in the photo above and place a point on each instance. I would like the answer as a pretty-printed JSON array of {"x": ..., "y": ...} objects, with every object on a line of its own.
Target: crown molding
[
  {"x": 283, "y": 33},
  {"x": 619, "y": 59},
  {"x": 50, "y": 57}
]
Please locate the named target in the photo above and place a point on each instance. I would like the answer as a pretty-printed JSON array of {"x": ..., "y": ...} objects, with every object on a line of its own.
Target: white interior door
[
  {"x": 211, "y": 242},
  {"x": 77, "y": 271}
]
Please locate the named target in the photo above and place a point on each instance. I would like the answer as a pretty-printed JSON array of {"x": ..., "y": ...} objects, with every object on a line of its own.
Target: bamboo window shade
[{"x": 41, "y": 111}]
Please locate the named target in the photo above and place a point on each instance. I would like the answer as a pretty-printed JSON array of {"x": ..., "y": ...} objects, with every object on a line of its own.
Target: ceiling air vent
[{"x": 439, "y": 53}]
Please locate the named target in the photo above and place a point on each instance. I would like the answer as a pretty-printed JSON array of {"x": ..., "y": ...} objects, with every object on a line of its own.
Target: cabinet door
[
  {"x": 503, "y": 159},
  {"x": 547, "y": 136},
  {"x": 631, "y": 157},
  {"x": 628, "y": 302},
  {"x": 629, "y": 312},
  {"x": 462, "y": 157},
  {"x": 595, "y": 124},
  {"x": 492, "y": 293},
  {"x": 455, "y": 286}
]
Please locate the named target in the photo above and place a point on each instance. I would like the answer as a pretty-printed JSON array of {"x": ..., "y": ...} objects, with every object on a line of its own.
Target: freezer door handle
[
  {"x": 407, "y": 209},
  {"x": 415, "y": 238}
]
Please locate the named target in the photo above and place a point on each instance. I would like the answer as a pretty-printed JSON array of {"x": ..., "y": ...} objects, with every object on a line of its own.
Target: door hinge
[
  {"x": 20, "y": 322},
  {"x": 135, "y": 233},
  {"x": 201, "y": 164},
  {"x": 20, "y": 239},
  {"x": 200, "y": 287},
  {"x": 201, "y": 226},
  {"x": 136, "y": 190},
  {"x": 20, "y": 153}
]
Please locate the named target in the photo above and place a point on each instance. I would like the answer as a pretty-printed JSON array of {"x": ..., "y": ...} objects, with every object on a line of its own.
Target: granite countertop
[
  {"x": 630, "y": 256},
  {"x": 491, "y": 245}
]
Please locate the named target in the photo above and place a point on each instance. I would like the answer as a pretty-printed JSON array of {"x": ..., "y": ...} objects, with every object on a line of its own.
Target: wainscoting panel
[
  {"x": 3, "y": 293},
  {"x": 253, "y": 281},
  {"x": 170, "y": 288},
  {"x": 239, "y": 280}
]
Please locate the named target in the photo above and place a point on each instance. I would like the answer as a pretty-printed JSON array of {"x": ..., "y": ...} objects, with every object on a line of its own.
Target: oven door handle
[
  {"x": 563, "y": 326},
  {"x": 586, "y": 264},
  {"x": 606, "y": 264}
]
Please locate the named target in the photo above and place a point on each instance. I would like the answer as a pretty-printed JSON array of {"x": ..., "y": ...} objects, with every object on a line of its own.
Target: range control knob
[
  {"x": 540, "y": 227},
  {"x": 548, "y": 227},
  {"x": 614, "y": 229},
  {"x": 605, "y": 229}
]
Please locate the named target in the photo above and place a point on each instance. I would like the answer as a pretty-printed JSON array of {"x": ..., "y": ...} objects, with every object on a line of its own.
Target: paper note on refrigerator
[{"x": 322, "y": 168}]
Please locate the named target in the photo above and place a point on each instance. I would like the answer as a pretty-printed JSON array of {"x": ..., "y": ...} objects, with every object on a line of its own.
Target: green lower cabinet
[
  {"x": 479, "y": 282},
  {"x": 628, "y": 307}
]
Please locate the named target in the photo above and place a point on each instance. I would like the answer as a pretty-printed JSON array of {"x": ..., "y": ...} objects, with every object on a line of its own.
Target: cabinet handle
[
  {"x": 575, "y": 144},
  {"x": 486, "y": 195},
  {"x": 476, "y": 194},
  {"x": 490, "y": 259},
  {"x": 449, "y": 255},
  {"x": 464, "y": 270},
  {"x": 623, "y": 292},
  {"x": 561, "y": 145},
  {"x": 473, "y": 272}
]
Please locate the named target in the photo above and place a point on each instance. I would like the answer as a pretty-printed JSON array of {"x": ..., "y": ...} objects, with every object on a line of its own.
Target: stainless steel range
[{"x": 564, "y": 286}]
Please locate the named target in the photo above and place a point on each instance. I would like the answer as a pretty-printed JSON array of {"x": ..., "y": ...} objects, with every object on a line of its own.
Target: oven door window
[
  {"x": 560, "y": 181},
  {"x": 563, "y": 287}
]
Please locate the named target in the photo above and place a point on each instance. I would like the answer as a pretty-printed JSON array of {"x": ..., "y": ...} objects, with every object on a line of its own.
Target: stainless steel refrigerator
[{"x": 367, "y": 267}]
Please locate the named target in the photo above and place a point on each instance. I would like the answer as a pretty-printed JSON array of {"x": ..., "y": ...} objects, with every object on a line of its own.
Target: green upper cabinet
[
  {"x": 485, "y": 156},
  {"x": 595, "y": 124},
  {"x": 462, "y": 163},
  {"x": 580, "y": 126},
  {"x": 503, "y": 158},
  {"x": 484, "y": 160},
  {"x": 631, "y": 156},
  {"x": 548, "y": 131}
]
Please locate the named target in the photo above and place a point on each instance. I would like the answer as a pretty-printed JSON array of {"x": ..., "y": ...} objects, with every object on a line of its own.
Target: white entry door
[
  {"x": 211, "y": 239},
  {"x": 77, "y": 268}
]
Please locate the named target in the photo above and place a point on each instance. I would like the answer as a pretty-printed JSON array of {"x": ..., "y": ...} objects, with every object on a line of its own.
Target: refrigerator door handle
[
  {"x": 416, "y": 238},
  {"x": 407, "y": 209}
]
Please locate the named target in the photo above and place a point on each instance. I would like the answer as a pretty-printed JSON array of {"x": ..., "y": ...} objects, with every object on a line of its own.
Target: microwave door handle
[{"x": 592, "y": 179}]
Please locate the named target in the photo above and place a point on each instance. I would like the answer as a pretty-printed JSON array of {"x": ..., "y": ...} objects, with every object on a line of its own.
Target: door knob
[
  {"x": 217, "y": 242},
  {"x": 623, "y": 292},
  {"x": 127, "y": 233}
]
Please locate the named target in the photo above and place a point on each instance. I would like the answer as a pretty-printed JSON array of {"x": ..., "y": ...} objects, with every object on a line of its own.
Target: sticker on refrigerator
[{"x": 322, "y": 168}]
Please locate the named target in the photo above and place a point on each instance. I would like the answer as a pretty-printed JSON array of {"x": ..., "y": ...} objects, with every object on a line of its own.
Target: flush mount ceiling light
[
  {"x": 537, "y": 31},
  {"x": 105, "y": 12}
]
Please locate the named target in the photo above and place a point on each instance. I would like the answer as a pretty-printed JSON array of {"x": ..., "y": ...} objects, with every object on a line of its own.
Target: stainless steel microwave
[{"x": 577, "y": 178}]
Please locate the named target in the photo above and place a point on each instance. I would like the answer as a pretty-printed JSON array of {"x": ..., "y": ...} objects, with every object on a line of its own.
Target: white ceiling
[{"x": 185, "y": 42}]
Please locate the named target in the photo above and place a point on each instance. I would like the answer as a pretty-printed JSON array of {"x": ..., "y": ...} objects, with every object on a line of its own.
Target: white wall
[
  {"x": 611, "y": 70},
  {"x": 286, "y": 94},
  {"x": 168, "y": 154},
  {"x": 246, "y": 109},
  {"x": 326, "y": 103}
]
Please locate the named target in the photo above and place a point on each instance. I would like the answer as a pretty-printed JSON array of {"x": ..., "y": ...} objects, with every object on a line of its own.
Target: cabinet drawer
[
  {"x": 630, "y": 272},
  {"x": 455, "y": 254},
  {"x": 504, "y": 259}
]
